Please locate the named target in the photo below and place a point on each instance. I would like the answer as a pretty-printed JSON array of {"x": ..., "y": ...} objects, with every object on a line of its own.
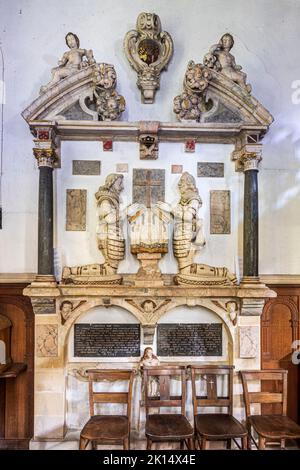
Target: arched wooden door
[{"x": 279, "y": 328}]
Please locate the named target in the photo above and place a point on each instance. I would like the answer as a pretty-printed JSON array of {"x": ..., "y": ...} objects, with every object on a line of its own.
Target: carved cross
[{"x": 150, "y": 180}]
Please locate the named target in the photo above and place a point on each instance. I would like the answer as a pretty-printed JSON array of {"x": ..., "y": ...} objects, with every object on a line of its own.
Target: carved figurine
[
  {"x": 188, "y": 238},
  {"x": 110, "y": 238},
  {"x": 149, "y": 360},
  {"x": 72, "y": 61},
  {"x": 220, "y": 59}
]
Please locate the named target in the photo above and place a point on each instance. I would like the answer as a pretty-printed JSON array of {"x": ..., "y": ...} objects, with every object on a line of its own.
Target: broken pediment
[
  {"x": 217, "y": 92},
  {"x": 88, "y": 94}
]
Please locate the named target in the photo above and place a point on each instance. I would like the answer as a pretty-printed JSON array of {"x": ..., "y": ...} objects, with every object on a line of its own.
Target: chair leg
[
  {"x": 191, "y": 444},
  {"x": 149, "y": 444},
  {"x": 203, "y": 443},
  {"x": 94, "y": 445},
  {"x": 261, "y": 443},
  {"x": 228, "y": 444},
  {"x": 249, "y": 436},
  {"x": 83, "y": 443},
  {"x": 245, "y": 443},
  {"x": 181, "y": 445},
  {"x": 282, "y": 443},
  {"x": 126, "y": 444}
]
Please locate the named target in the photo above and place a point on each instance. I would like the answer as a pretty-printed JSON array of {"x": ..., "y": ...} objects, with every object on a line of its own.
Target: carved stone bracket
[
  {"x": 148, "y": 50},
  {"x": 148, "y": 138},
  {"x": 251, "y": 307},
  {"x": 148, "y": 334}
]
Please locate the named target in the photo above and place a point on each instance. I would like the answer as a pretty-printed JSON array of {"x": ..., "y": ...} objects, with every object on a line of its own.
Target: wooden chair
[
  {"x": 108, "y": 429},
  {"x": 269, "y": 427},
  {"x": 215, "y": 426},
  {"x": 166, "y": 427}
]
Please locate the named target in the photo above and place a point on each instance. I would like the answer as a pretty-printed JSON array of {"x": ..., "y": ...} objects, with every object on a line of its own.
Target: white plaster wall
[{"x": 267, "y": 34}]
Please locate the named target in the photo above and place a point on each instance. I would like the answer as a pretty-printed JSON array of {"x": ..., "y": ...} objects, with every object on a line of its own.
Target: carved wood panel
[
  {"x": 279, "y": 328},
  {"x": 16, "y": 422}
]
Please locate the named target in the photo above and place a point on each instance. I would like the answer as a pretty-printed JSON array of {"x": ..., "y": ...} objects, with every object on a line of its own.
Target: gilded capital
[
  {"x": 45, "y": 157},
  {"x": 248, "y": 157}
]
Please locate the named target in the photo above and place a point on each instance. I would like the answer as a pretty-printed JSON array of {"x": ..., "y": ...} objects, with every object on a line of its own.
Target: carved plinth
[{"x": 149, "y": 271}]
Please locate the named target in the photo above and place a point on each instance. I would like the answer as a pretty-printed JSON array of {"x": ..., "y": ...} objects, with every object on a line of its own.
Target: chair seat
[
  {"x": 219, "y": 426},
  {"x": 105, "y": 427},
  {"x": 275, "y": 427},
  {"x": 168, "y": 426}
]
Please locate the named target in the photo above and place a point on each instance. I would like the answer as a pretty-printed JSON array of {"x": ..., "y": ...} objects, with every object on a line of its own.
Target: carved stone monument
[
  {"x": 148, "y": 50},
  {"x": 110, "y": 238}
]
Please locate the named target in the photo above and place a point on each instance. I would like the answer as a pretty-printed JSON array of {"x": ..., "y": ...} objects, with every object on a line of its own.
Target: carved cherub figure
[
  {"x": 220, "y": 59},
  {"x": 71, "y": 61}
]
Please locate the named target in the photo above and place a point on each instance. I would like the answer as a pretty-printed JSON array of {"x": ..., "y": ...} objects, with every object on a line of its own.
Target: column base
[
  {"x": 250, "y": 280},
  {"x": 44, "y": 280}
]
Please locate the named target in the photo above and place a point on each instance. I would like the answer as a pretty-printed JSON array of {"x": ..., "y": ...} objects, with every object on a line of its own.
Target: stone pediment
[
  {"x": 231, "y": 104},
  {"x": 210, "y": 96},
  {"x": 85, "y": 95}
]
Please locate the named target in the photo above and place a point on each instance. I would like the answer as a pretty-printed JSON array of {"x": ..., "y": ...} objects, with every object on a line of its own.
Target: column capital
[
  {"x": 247, "y": 157},
  {"x": 46, "y": 144},
  {"x": 45, "y": 156}
]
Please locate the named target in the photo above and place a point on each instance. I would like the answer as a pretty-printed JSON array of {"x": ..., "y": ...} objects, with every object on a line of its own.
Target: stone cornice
[{"x": 168, "y": 131}]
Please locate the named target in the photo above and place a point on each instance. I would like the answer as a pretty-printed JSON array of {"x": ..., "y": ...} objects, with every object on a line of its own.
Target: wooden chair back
[
  {"x": 110, "y": 375},
  {"x": 209, "y": 375},
  {"x": 280, "y": 396},
  {"x": 164, "y": 375}
]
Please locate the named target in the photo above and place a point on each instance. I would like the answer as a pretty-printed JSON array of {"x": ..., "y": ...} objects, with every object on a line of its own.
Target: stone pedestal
[{"x": 149, "y": 271}]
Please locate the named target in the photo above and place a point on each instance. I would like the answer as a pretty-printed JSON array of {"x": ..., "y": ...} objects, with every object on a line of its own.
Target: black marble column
[
  {"x": 251, "y": 224},
  {"x": 45, "y": 224}
]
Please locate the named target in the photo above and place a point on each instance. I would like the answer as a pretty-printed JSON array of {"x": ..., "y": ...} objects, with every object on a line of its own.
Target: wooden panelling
[
  {"x": 17, "y": 418},
  {"x": 279, "y": 328}
]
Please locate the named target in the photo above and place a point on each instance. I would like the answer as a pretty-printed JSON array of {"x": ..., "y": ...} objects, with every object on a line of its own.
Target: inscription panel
[
  {"x": 76, "y": 209},
  {"x": 210, "y": 170},
  {"x": 220, "y": 212},
  {"x": 189, "y": 339},
  {"x": 86, "y": 167},
  {"x": 106, "y": 340}
]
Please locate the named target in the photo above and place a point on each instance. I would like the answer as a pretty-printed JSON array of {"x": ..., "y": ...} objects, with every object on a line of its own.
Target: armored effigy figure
[
  {"x": 110, "y": 238},
  {"x": 188, "y": 238}
]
